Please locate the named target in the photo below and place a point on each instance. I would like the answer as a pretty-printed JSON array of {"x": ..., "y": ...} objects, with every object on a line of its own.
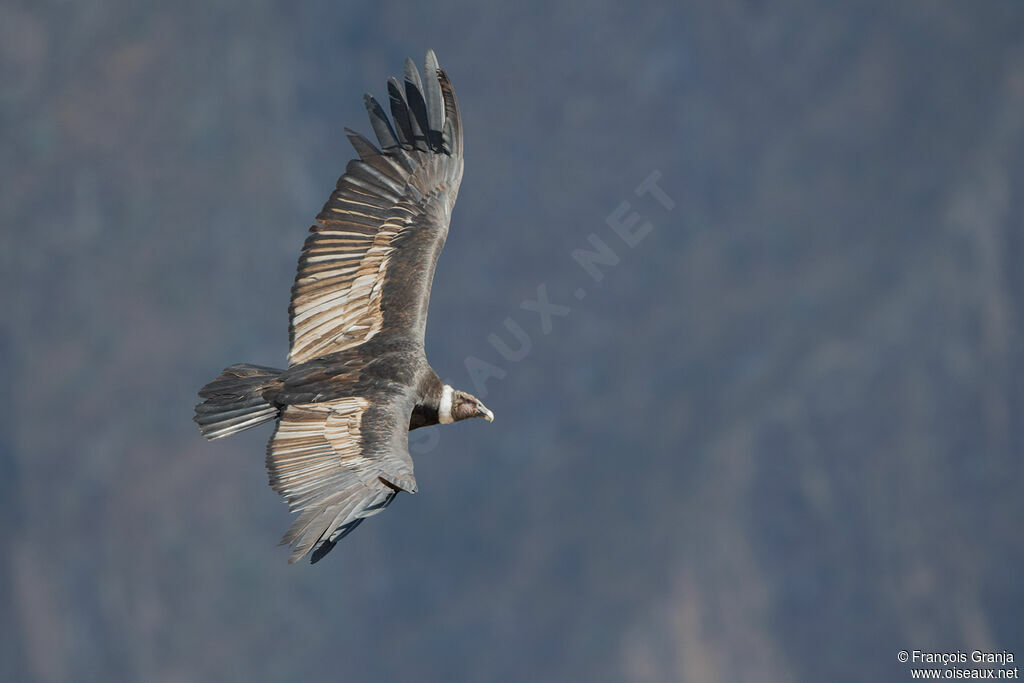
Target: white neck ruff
[{"x": 444, "y": 413}]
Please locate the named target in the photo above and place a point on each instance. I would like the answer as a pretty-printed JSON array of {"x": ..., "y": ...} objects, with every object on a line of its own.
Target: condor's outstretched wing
[
  {"x": 367, "y": 267},
  {"x": 337, "y": 463}
]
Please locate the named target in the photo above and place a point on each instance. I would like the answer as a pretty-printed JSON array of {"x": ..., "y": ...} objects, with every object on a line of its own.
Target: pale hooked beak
[{"x": 488, "y": 415}]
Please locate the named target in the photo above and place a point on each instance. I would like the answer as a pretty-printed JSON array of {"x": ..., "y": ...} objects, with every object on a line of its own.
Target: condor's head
[{"x": 458, "y": 405}]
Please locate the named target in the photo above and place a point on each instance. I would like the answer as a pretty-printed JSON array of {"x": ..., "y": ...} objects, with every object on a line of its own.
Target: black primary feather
[
  {"x": 381, "y": 126},
  {"x": 400, "y": 113},
  {"x": 434, "y": 101}
]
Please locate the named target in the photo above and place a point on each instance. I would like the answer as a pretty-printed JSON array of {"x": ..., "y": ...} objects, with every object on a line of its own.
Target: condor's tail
[{"x": 234, "y": 401}]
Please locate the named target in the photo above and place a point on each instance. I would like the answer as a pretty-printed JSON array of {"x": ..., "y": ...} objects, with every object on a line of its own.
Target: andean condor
[{"x": 358, "y": 378}]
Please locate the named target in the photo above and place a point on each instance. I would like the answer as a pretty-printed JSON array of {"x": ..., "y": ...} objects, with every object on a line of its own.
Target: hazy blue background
[{"x": 780, "y": 440}]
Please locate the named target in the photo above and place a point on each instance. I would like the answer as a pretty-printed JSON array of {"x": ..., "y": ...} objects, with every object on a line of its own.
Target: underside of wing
[
  {"x": 337, "y": 463},
  {"x": 367, "y": 267}
]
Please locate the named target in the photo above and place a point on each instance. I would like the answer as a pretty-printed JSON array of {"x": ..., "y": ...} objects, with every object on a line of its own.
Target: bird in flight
[{"x": 358, "y": 379}]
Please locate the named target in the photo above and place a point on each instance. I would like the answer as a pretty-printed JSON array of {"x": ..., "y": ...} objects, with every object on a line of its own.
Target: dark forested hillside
[{"x": 774, "y": 436}]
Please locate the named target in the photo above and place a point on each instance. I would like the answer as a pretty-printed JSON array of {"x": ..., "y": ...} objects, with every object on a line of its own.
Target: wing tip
[
  {"x": 428, "y": 103},
  {"x": 321, "y": 550}
]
